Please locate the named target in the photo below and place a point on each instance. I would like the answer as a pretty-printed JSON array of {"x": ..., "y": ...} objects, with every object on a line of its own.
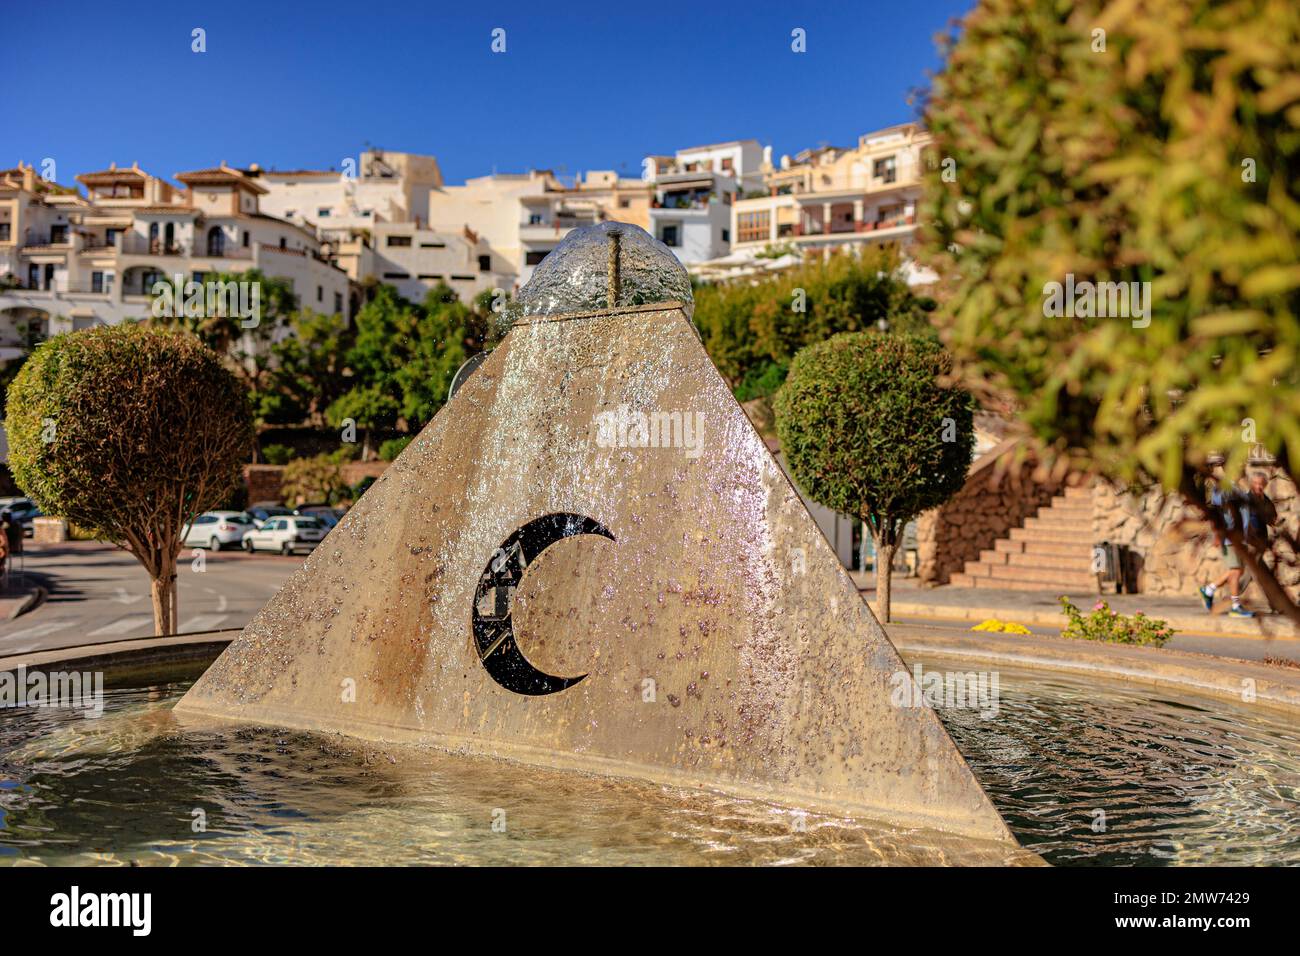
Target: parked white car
[
  {"x": 285, "y": 534},
  {"x": 216, "y": 529}
]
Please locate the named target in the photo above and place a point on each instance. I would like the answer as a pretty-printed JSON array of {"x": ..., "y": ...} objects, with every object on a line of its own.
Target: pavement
[
  {"x": 1267, "y": 635},
  {"x": 98, "y": 593}
]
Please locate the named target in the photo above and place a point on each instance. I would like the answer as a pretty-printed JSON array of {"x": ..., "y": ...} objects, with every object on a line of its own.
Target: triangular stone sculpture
[{"x": 681, "y": 618}]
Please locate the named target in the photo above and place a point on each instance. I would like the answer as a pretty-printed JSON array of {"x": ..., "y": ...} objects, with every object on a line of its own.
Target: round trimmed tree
[
  {"x": 129, "y": 431},
  {"x": 871, "y": 428}
]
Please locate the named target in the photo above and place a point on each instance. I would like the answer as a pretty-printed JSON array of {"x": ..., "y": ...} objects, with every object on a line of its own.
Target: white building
[
  {"x": 693, "y": 194},
  {"x": 69, "y": 262},
  {"x": 414, "y": 260},
  {"x": 835, "y": 197},
  {"x": 523, "y": 216},
  {"x": 383, "y": 186}
]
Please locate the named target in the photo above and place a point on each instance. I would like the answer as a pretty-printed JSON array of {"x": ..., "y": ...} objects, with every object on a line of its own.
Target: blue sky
[{"x": 581, "y": 85}]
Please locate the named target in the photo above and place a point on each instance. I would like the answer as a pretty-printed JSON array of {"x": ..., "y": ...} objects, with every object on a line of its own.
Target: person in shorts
[{"x": 1230, "y": 502}]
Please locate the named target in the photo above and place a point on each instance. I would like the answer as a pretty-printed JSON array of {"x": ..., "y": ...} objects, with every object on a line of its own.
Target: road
[{"x": 100, "y": 593}]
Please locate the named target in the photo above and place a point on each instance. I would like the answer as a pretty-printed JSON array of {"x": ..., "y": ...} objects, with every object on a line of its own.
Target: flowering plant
[{"x": 1104, "y": 624}]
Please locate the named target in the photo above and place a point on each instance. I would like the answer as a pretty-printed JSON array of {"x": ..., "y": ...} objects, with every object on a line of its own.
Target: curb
[
  {"x": 1275, "y": 688},
  {"x": 154, "y": 659},
  {"x": 1269, "y": 628}
]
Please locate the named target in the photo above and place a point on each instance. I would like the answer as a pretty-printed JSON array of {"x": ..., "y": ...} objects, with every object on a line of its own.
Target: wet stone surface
[{"x": 575, "y": 277}]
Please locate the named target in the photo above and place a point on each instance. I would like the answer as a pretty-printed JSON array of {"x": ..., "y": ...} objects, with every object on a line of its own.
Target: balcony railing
[
  {"x": 140, "y": 246},
  {"x": 225, "y": 252},
  {"x": 561, "y": 222},
  {"x": 39, "y": 242},
  {"x": 839, "y": 228}
]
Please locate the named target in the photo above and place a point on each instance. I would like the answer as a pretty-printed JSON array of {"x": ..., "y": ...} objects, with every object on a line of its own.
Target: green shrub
[
  {"x": 277, "y": 454},
  {"x": 1103, "y": 624},
  {"x": 753, "y": 331},
  {"x": 318, "y": 478},
  {"x": 390, "y": 449}
]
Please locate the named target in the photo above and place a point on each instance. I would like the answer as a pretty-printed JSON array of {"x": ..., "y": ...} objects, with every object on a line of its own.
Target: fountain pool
[{"x": 1181, "y": 780}]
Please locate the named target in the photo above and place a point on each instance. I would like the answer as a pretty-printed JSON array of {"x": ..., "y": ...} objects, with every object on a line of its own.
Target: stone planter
[{"x": 49, "y": 531}]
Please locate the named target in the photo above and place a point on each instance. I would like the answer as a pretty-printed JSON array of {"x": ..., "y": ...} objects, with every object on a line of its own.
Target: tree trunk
[
  {"x": 885, "y": 547},
  {"x": 160, "y": 589},
  {"x": 175, "y": 600}
]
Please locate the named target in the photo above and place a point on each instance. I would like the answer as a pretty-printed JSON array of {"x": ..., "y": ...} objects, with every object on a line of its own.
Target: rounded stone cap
[{"x": 606, "y": 265}]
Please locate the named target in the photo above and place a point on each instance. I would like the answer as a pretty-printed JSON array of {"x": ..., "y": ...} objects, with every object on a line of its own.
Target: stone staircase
[{"x": 1052, "y": 552}]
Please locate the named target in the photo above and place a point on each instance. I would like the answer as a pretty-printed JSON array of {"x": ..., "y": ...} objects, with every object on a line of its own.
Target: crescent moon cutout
[{"x": 493, "y": 629}]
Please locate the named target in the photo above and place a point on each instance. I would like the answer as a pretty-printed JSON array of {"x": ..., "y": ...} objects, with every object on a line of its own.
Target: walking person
[{"x": 1230, "y": 502}]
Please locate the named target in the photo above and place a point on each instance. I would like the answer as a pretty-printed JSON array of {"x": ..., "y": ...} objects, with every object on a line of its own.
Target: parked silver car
[
  {"x": 216, "y": 529},
  {"x": 285, "y": 534}
]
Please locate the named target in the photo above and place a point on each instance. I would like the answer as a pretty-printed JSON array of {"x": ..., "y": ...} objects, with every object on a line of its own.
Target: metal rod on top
[{"x": 613, "y": 281}]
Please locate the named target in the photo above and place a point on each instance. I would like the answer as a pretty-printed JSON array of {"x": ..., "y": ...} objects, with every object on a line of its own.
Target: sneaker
[
  {"x": 1207, "y": 598},
  {"x": 1239, "y": 611}
]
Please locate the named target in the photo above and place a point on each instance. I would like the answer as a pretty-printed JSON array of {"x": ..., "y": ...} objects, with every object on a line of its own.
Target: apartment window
[
  {"x": 484, "y": 263},
  {"x": 433, "y": 245},
  {"x": 535, "y": 219},
  {"x": 726, "y": 235},
  {"x": 323, "y": 212},
  {"x": 625, "y": 204},
  {"x": 886, "y": 213},
  {"x": 97, "y": 282},
  {"x": 320, "y": 293},
  {"x": 245, "y": 239},
  {"x": 338, "y": 302},
  {"x": 110, "y": 236},
  {"x": 668, "y": 236},
  {"x": 430, "y": 276},
  {"x": 727, "y": 164},
  {"x": 885, "y": 169},
  {"x": 753, "y": 226},
  {"x": 283, "y": 245},
  {"x": 401, "y": 241},
  {"x": 33, "y": 276},
  {"x": 216, "y": 242},
  {"x": 290, "y": 213},
  {"x": 58, "y": 235},
  {"x": 397, "y": 275},
  {"x": 462, "y": 278},
  {"x": 534, "y": 258},
  {"x": 4, "y": 231}
]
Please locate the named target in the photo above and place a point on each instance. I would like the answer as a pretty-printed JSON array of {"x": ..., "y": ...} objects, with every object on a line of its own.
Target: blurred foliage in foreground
[{"x": 1167, "y": 151}]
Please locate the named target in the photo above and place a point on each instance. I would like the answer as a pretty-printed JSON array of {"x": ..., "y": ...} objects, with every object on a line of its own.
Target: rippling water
[
  {"x": 1180, "y": 779},
  {"x": 1179, "y": 782}
]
